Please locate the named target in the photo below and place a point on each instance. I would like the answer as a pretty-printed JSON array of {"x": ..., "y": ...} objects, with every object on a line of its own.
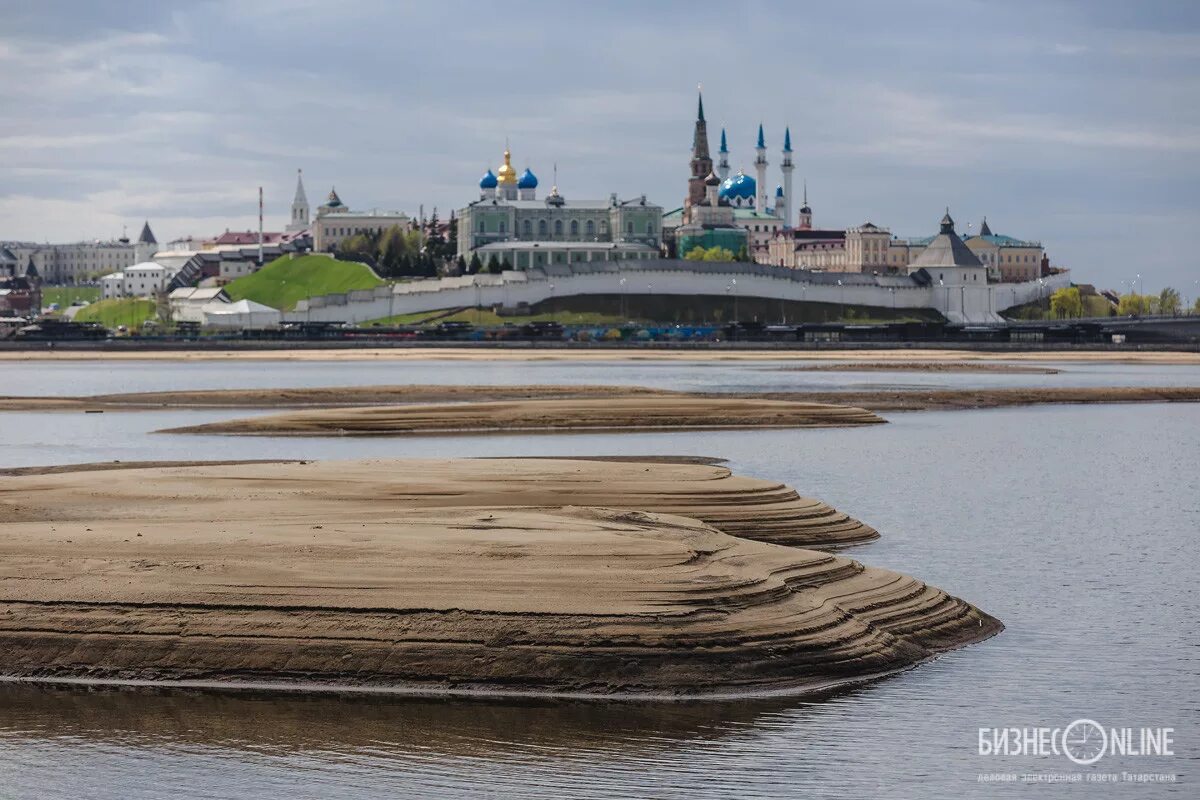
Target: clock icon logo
[{"x": 1084, "y": 741}]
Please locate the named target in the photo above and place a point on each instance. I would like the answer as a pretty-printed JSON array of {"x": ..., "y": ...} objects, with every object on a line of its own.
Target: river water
[{"x": 1075, "y": 525}]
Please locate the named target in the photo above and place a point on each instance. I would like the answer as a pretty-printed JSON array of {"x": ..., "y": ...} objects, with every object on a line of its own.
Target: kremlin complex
[{"x": 737, "y": 213}]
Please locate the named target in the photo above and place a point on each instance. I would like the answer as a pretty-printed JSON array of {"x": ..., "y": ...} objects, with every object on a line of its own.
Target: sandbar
[
  {"x": 617, "y": 413},
  {"x": 331, "y": 576}
]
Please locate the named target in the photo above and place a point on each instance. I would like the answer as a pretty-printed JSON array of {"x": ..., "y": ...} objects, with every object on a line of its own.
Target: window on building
[
  {"x": 649, "y": 228},
  {"x": 590, "y": 228},
  {"x": 542, "y": 227},
  {"x": 603, "y": 227},
  {"x": 574, "y": 227},
  {"x": 481, "y": 226},
  {"x": 558, "y": 227},
  {"x": 528, "y": 228},
  {"x": 503, "y": 226},
  {"x": 629, "y": 228}
]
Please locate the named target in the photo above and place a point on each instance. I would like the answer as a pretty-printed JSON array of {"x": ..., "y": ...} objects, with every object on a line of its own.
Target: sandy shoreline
[
  {"x": 405, "y": 576},
  {"x": 332, "y": 398},
  {"x": 560, "y": 416},
  {"x": 639, "y": 354}
]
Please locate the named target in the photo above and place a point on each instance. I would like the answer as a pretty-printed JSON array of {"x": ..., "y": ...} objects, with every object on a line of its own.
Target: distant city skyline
[{"x": 1074, "y": 123}]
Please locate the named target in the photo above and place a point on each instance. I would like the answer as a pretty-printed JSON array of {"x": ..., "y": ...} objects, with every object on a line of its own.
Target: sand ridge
[
  {"x": 560, "y": 416},
  {"x": 373, "y": 489},
  {"x": 282, "y": 574}
]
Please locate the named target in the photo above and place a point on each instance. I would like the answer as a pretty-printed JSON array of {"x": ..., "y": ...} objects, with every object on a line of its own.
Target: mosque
[{"x": 731, "y": 211}]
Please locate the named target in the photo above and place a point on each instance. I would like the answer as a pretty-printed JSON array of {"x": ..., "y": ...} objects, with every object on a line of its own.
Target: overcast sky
[{"x": 1075, "y": 123}]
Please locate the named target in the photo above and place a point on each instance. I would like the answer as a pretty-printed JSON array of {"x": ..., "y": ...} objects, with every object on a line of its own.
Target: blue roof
[
  {"x": 779, "y": 191},
  {"x": 488, "y": 181},
  {"x": 527, "y": 180},
  {"x": 723, "y": 149},
  {"x": 787, "y": 140},
  {"x": 761, "y": 143},
  {"x": 739, "y": 185}
]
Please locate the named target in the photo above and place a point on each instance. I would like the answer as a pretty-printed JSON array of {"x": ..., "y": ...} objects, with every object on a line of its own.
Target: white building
[
  {"x": 82, "y": 261},
  {"x": 140, "y": 280},
  {"x": 335, "y": 222},
  {"x": 187, "y": 304}
]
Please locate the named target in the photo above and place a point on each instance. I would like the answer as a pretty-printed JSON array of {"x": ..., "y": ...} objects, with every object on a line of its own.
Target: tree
[
  {"x": 505, "y": 266},
  {"x": 493, "y": 264},
  {"x": 461, "y": 265},
  {"x": 1134, "y": 305},
  {"x": 1196, "y": 306},
  {"x": 393, "y": 253},
  {"x": 1169, "y": 301},
  {"x": 743, "y": 254},
  {"x": 359, "y": 247},
  {"x": 475, "y": 265},
  {"x": 695, "y": 254},
  {"x": 718, "y": 254},
  {"x": 1066, "y": 302}
]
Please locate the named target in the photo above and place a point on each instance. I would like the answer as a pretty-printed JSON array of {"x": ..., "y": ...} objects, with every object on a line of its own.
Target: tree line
[{"x": 1068, "y": 302}]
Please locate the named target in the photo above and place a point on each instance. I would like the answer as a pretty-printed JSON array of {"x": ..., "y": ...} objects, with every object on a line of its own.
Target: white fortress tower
[
  {"x": 760, "y": 170},
  {"x": 787, "y": 167},
  {"x": 299, "y": 219}
]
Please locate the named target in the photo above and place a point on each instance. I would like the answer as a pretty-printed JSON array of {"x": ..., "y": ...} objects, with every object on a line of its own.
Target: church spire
[
  {"x": 699, "y": 105},
  {"x": 300, "y": 196}
]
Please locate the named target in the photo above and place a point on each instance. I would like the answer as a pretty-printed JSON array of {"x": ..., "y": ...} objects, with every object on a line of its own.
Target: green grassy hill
[
  {"x": 128, "y": 311},
  {"x": 65, "y": 295},
  {"x": 286, "y": 281}
]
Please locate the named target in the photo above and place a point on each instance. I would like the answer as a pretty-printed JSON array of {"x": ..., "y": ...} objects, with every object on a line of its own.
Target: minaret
[
  {"x": 723, "y": 164},
  {"x": 787, "y": 167},
  {"x": 299, "y": 206},
  {"x": 701, "y": 161},
  {"x": 760, "y": 170}
]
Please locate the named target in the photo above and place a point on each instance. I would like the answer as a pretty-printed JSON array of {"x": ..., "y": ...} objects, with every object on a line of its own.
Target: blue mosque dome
[
  {"x": 739, "y": 186},
  {"x": 779, "y": 191},
  {"x": 488, "y": 181},
  {"x": 527, "y": 180}
]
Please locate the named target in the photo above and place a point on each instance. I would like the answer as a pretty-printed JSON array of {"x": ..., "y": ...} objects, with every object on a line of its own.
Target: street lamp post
[
  {"x": 733, "y": 283},
  {"x": 841, "y": 300},
  {"x": 552, "y": 300},
  {"x": 624, "y": 305}
]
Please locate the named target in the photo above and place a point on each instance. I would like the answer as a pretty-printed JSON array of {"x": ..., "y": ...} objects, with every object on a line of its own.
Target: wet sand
[
  {"x": 560, "y": 416},
  {"x": 340, "y": 575},
  {"x": 963, "y": 399}
]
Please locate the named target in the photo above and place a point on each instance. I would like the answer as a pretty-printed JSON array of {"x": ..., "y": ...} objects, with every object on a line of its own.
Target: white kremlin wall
[{"x": 958, "y": 302}]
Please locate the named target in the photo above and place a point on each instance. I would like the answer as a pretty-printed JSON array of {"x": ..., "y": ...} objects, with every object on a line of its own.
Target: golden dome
[{"x": 506, "y": 174}]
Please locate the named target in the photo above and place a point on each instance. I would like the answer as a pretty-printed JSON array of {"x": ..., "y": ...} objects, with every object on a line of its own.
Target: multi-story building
[
  {"x": 509, "y": 222},
  {"x": 140, "y": 280},
  {"x": 872, "y": 249},
  {"x": 335, "y": 222},
  {"x": 85, "y": 261}
]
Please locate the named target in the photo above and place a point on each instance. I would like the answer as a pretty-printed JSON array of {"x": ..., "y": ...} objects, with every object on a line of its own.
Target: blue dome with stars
[
  {"x": 527, "y": 180},
  {"x": 779, "y": 191},
  {"x": 740, "y": 186},
  {"x": 488, "y": 181}
]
